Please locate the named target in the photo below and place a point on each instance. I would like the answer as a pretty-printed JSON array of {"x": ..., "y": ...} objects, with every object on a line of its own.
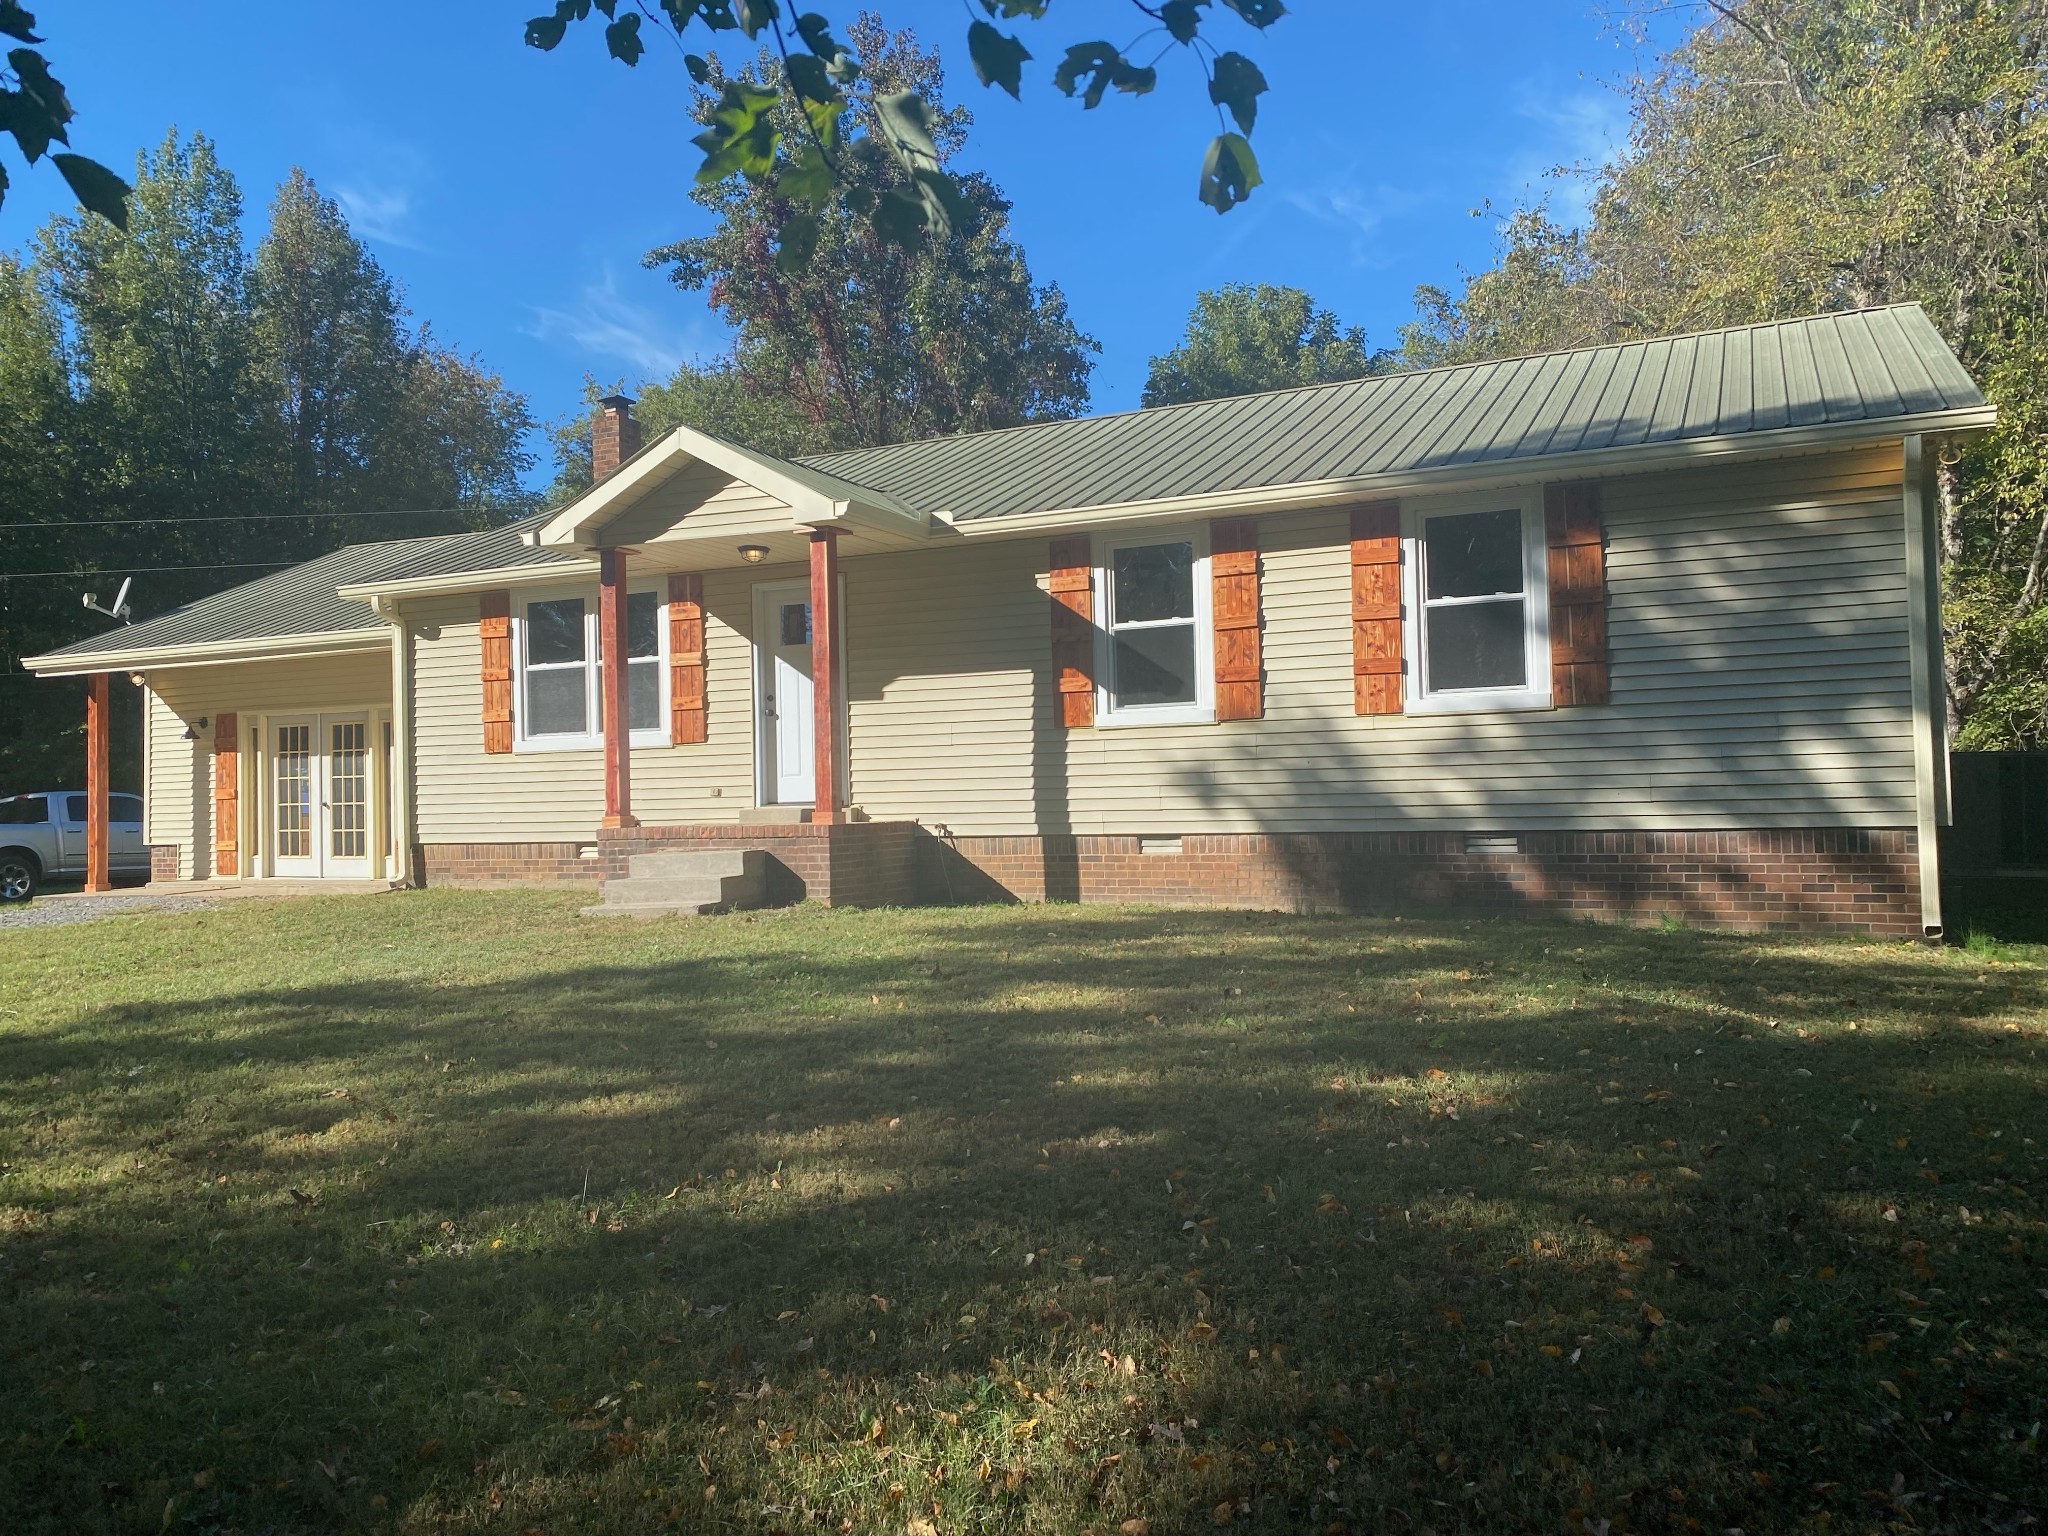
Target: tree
[
  {"x": 35, "y": 110},
  {"x": 867, "y": 342},
  {"x": 786, "y": 126},
  {"x": 172, "y": 409},
  {"x": 1799, "y": 155},
  {"x": 1243, "y": 338}
]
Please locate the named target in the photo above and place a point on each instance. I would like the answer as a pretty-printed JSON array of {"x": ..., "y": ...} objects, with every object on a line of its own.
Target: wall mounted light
[
  {"x": 192, "y": 731},
  {"x": 753, "y": 554},
  {"x": 135, "y": 678}
]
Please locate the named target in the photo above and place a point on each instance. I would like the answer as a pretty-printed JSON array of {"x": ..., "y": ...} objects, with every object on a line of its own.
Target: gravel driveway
[{"x": 46, "y": 913}]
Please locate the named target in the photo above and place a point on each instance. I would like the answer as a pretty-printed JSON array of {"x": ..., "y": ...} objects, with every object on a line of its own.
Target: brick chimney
[{"x": 614, "y": 436}]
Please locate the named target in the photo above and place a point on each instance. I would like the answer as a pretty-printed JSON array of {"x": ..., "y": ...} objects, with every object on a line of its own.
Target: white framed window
[
  {"x": 1155, "y": 657},
  {"x": 558, "y": 704},
  {"x": 1477, "y": 610}
]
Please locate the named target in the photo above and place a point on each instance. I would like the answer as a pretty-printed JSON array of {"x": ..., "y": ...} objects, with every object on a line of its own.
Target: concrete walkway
[{"x": 58, "y": 907}]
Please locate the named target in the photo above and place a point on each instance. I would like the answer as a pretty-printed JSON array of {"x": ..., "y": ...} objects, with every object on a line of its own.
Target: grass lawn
[{"x": 454, "y": 1211}]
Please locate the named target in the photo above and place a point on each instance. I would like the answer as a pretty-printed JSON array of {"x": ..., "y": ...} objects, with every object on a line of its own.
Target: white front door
[
  {"x": 782, "y": 692},
  {"x": 320, "y": 796}
]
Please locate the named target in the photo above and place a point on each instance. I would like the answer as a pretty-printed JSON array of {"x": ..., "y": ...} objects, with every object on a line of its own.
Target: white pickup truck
[{"x": 42, "y": 837}]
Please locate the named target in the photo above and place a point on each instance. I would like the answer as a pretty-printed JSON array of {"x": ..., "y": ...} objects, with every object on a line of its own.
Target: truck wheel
[{"x": 20, "y": 874}]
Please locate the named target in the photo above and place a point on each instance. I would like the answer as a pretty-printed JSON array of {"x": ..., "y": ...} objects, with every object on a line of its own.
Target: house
[{"x": 1641, "y": 629}]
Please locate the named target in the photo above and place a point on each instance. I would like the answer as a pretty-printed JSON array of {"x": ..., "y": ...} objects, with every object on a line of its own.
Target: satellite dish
[{"x": 120, "y": 609}]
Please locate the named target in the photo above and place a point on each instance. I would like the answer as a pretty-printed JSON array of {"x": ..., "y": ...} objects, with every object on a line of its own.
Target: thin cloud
[
  {"x": 603, "y": 322},
  {"x": 1579, "y": 134},
  {"x": 1357, "y": 212},
  {"x": 383, "y": 214}
]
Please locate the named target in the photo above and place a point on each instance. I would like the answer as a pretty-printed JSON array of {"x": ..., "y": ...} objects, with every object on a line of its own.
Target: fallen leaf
[
  {"x": 1782, "y": 1326},
  {"x": 1224, "y": 1513},
  {"x": 1137, "y": 1525},
  {"x": 1652, "y": 1316},
  {"x": 429, "y": 1449}
]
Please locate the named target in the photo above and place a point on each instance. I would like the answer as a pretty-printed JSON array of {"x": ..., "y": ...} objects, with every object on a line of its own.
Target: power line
[
  {"x": 150, "y": 570},
  {"x": 232, "y": 517}
]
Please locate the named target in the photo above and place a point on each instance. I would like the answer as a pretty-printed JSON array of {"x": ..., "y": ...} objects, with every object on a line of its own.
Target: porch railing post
[
  {"x": 96, "y": 765},
  {"x": 612, "y": 642},
  {"x": 829, "y": 747}
]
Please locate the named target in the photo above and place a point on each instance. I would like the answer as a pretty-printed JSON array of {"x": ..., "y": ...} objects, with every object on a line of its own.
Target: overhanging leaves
[
  {"x": 742, "y": 138},
  {"x": 17, "y": 24},
  {"x": 622, "y": 37},
  {"x": 1260, "y": 13},
  {"x": 998, "y": 57},
  {"x": 1236, "y": 83},
  {"x": 1182, "y": 19},
  {"x": 97, "y": 189},
  {"x": 1229, "y": 172},
  {"x": 37, "y": 112},
  {"x": 1102, "y": 65}
]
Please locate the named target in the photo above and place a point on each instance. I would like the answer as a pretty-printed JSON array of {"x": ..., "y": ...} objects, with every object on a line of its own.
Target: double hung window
[
  {"x": 1156, "y": 655},
  {"x": 560, "y": 651},
  {"x": 1477, "y": 616}
]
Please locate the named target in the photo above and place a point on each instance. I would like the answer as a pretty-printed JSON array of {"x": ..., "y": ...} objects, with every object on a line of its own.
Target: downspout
[
  {"x": 399, "y": 767},
  {"x": 1930, "y": 714}
]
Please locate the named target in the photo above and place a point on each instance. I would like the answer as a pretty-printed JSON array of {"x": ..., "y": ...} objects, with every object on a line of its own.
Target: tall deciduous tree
[
  {"x": 1799, "y": 155},
  {"x": 1244, "y": 337},
  {"x": 864, "y": 341},
  {"x": 169, "y": 406}
]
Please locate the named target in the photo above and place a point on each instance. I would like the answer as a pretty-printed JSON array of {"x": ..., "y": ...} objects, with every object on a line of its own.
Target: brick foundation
[
  {"x": 163, "y": 861},
  {"x": 847, "y": 864},
  {"x": 1860, "y": 881},
  {"x": 472, "y": 864},
  {"x": 1847, "y": 881}
]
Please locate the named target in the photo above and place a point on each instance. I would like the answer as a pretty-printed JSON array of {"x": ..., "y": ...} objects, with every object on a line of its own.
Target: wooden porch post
[
  {"x": 96, "y": 783},
  {"x": 611, "y": 628},
  {"x": 829, "y": 747}
]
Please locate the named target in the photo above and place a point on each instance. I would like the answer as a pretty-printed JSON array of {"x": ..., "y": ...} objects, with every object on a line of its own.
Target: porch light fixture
[
  {"x": 192, "y": 731},
  {"x": 753, "y": 554}
]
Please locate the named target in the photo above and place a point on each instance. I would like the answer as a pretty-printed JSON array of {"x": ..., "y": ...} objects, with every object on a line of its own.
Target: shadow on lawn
[{"x": 1430, "y": 1262}]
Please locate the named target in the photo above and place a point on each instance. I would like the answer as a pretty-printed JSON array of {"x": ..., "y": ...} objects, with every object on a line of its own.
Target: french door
[{"x": 320, "y": 787}]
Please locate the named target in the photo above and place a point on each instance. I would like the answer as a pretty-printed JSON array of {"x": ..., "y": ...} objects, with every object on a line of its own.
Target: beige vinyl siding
[
  {"x": 1759, "y": 641},
  {"x": 703, "y": 502},
  {"x": 1760, "y": 675},
  {"x": 178, "y": 797},
  {"x": 464, "y": 795}
]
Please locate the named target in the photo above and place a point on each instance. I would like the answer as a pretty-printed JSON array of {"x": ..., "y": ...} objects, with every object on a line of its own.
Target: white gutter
[
  {"x": 213, "y": 653},
  {"x": 1298, "y": 495}
]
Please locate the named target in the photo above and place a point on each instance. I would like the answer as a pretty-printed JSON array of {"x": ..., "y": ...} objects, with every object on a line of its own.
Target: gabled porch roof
[{"x": 688, "y": 500}]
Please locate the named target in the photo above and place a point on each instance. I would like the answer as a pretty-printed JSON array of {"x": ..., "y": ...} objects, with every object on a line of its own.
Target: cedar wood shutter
[
  {"x": 1376, "y": 608},
  {"x": 1071, "y": 584},
  {"x": 1578, "y": 594},
  {"x": 494, "y": 629},
  {"x": 687, "y": 721},
  {"x": 1234, "y": 615},
  {"x": 227, "y": 798}
]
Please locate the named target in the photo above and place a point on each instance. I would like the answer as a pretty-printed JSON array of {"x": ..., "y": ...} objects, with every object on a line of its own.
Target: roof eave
[
  {"x": 209, "y": 652},
  {"x": 456, "y": 582},
  {"x": 1478, "y": 476}
]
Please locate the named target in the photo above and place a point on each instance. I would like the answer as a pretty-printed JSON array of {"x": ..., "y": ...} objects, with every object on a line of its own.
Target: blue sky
[{"x": 512, "y": 193}]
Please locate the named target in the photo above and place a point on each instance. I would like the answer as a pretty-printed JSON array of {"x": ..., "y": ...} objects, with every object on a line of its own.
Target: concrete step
[
  {"x": 692, "y": 891},
  {"x": 694, "y": 881},
  {"x": 711, "y": 863}
]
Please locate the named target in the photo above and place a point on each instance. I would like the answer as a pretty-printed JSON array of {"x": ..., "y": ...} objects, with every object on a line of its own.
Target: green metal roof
[
  {"x": 1859, "y": 367},
  {"x": 302, "y": 600}
]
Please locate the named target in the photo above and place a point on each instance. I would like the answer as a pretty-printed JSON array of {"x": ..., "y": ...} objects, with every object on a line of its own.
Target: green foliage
[
  {"x": 808, "y": 91},
  {"x": 35, "y": 110},
  {"x": 1244, "y": 338},
  {"x": 1792, "y": 156},
  {"x": 863, "y": 339},
  {"x": 161, "y": 373}
]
